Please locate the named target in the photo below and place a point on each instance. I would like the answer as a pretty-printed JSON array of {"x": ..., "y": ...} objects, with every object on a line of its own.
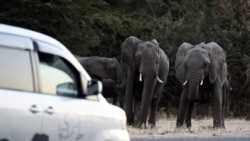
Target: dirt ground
[{"x": 200, "y": 128}]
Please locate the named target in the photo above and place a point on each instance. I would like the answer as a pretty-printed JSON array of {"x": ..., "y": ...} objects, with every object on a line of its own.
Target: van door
[
  {"x": 66, "y": 116},
  {"x": 67, "y": 119},
  {"x": 20, "y": 107}
]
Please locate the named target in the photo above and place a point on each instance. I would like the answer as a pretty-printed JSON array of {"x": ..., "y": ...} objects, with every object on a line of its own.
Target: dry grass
[{"x": 200, "y": 128}]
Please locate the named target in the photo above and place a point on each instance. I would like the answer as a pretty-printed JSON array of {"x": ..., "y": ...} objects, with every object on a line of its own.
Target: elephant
[
  {"x": 147, "y": 71},
  {"x": 103, "y": 68},
  {"x": 111, "y": 91},
  {"x": 202, "y": 71}
]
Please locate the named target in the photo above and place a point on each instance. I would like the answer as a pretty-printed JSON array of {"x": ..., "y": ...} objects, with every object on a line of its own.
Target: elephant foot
[
  {"x": 151, "y": 122},
  {"x": 130, "y": 122},
  {"x": 188, "y": 124},
  {"x": 179, "y": 124},
  {"x": 190, "y": 130},
  {"x": 151, "y": 125},
  {"x": 218, "y": 124},
  {"x": 139, "y": 124}
]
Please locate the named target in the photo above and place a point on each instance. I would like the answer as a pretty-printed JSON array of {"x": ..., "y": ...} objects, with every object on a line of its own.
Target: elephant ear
[
  {"x": 218, "y": 58},
  {"x": 179, "y": 61},
  {"x": 128, "y": 48},
  {"x": 154, "y": 41},
  {"x": 111, "y": 66}
]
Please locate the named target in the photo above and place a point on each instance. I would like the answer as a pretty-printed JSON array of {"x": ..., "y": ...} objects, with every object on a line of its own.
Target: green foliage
[{"x": 98, "y": 27}]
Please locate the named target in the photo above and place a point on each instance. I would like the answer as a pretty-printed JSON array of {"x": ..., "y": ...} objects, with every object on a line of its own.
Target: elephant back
[{"x": 217, "y": 52}]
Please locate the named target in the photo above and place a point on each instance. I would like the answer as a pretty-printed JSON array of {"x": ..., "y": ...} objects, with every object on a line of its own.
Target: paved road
[{"x": 190, "y": 139}]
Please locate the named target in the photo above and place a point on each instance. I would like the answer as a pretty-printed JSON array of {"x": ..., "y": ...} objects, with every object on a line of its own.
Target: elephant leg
[
  {"x": 114, "y": 101},
  {"x": 217, "y": 105},
  {"x": 115, "y": 95},
  {"x": 152, "y": 116},
  {"x": 121, "y": 99},
  {"x": 223, "y": 116},
  {"x": 129, "y": 102},
  {"x": 189, "y": 114},
  {"x": 182, "y": 112},
  {"x": 224, "y": 103}
]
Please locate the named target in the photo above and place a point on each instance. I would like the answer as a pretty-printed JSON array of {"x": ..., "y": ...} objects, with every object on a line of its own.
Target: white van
[{"x": 45, "y": 94}]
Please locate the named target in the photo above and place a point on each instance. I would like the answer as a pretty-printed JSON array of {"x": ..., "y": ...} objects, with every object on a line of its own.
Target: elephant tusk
[
  {"x": 159, "y": 80},
  {"x": 201, "y": 82},
  {"x": 185, "y": 83},
  {"x": 140, "y": 77}
]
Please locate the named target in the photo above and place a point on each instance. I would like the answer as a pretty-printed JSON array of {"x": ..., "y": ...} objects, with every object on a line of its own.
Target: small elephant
[
  {"x": 147, "y": 71},
  {"x": 202, "y": 70},
  {"x": 103, "y": 68},
  {"x": 111, "y": 91}
]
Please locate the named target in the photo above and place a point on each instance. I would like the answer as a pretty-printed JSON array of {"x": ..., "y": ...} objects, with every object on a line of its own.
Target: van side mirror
[
  {"x": 94, "y": 87},
  {"x": 67, "y": 88}
]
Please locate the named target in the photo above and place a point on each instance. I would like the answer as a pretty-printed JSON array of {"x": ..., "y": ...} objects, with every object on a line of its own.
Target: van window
[
  {"x": 57, "y": 76},
  {"x": 15, "y": 71}
]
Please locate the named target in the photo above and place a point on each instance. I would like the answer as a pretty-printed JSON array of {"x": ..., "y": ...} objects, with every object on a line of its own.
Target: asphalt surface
[{"x": 190, "y": 138}]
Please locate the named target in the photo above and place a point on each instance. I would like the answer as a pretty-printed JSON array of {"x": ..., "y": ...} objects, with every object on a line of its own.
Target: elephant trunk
[
  {"x": 193, "y": 83},
  {"x": 120, "y": 78},
  {"x": 193, "y": 91},
  {"x": 122, "y": 84}
]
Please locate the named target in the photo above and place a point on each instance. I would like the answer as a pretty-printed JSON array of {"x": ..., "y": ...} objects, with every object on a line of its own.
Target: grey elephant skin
[
  {"x": 147, "y": 71},
  {"x": 202, "y": 71},
  {"x": 107, "y": 70},
  {"x": 111, "y": 91}
]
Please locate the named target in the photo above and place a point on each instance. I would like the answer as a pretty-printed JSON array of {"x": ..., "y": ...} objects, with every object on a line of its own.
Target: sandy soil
[{"x": 200, "y": 128}]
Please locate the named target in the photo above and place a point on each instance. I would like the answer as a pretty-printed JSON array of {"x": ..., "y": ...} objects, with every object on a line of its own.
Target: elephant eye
[
  {"x": 205, "y": 65},
  {"x": 157, "y": 60},
  {"x": 139, "y": 58},
  {"x": 185, "y": 65}
]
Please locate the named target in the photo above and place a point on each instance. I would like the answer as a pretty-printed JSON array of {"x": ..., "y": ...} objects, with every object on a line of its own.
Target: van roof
[
  {"x": 37, "y": 36},
  {"x": 9, "y": 29}
]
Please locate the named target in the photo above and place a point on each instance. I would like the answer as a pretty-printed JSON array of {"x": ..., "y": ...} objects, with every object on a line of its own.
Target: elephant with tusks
[
  {"x": 202, "y": 71},
  {"x": 110, "y": 72},
  {"x": 147, "y": 71}
]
